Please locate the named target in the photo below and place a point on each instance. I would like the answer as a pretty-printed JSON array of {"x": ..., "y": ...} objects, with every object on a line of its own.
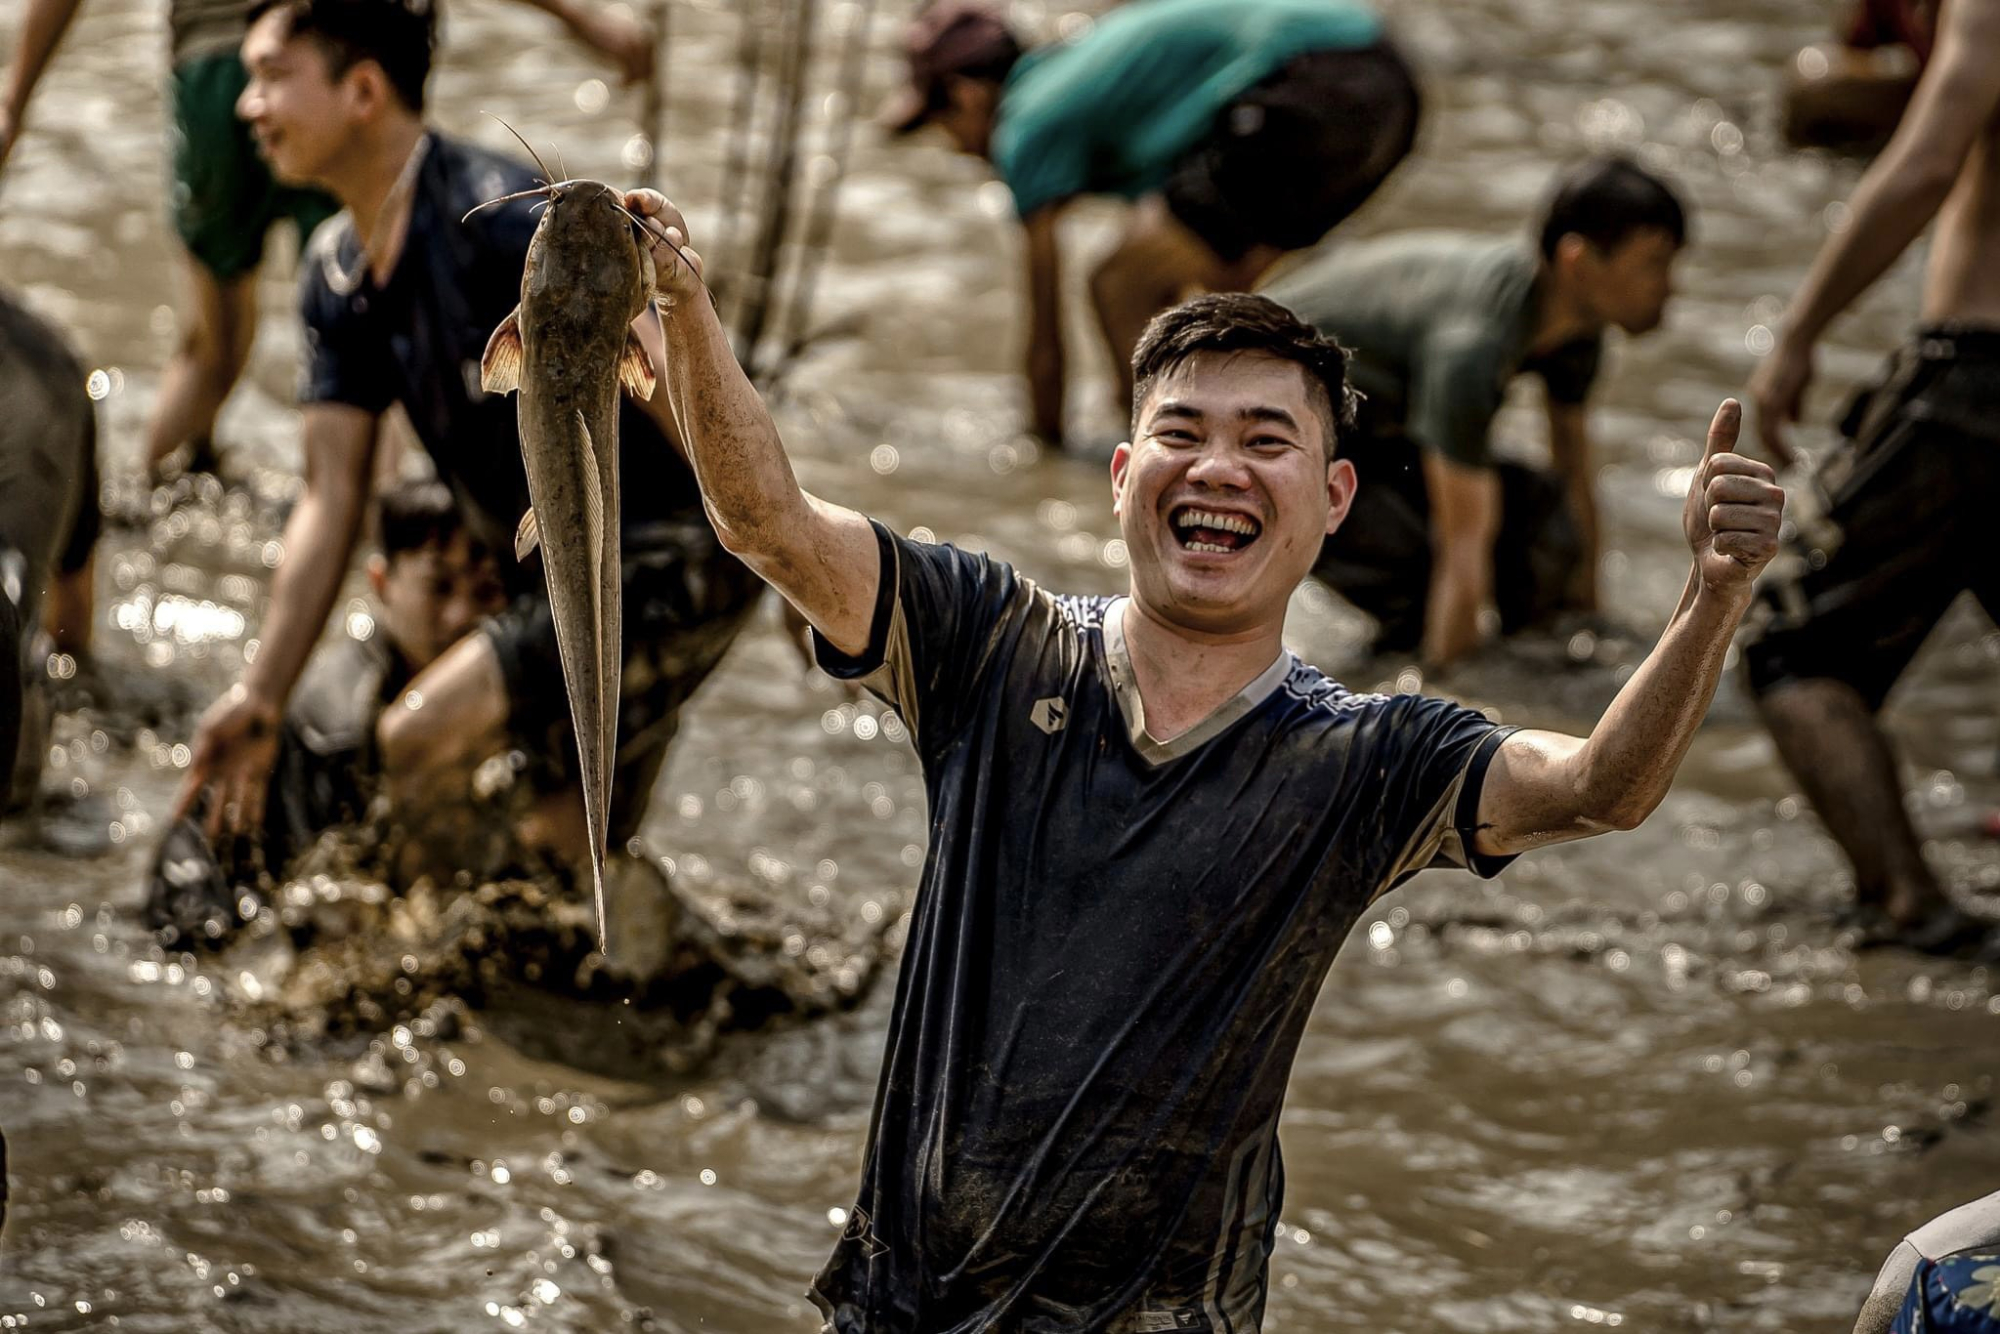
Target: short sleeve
[
  {"x": 1457, "y": 386},
  {"x": 344, "y": 361},
  {"x": 939, "y": 621},
  {"x": 1430, "y": 763},
  {"x": 1570, "y": 370}
]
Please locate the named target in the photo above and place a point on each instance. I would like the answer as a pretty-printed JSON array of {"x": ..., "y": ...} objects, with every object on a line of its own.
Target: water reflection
[{"x": 1646, "y": 1082}]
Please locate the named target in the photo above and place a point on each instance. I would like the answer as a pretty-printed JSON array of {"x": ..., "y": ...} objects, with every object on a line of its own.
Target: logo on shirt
[
  {"x": 1162, "y": 1322},
  {"x": 1050, "y": 714}
]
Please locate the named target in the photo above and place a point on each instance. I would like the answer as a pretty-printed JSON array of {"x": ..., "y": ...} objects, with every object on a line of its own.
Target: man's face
[
  {"x": 302, "y": 118},
  {"x": 433, "y": 596},
  {"x": 1629, "y": 284},
  {"x": 1225, "y": 492}
]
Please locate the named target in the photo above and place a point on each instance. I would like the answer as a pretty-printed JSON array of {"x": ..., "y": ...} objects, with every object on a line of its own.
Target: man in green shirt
[
  {"x": 1243, "y": 131},
  {"x": 1439, "y": 323}
]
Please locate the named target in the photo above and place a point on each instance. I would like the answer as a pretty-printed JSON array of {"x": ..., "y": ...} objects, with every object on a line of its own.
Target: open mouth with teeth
[{"x": 1213, "y": 531}]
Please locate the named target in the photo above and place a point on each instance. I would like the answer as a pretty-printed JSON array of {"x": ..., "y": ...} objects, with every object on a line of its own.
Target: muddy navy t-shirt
[
  {"x": 417, "y": 340},
  {"x": 1114, "y": 950}
]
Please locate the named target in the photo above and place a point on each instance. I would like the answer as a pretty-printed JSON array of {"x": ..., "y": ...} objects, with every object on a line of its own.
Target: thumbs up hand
[{"x": 1734, "y": 507}]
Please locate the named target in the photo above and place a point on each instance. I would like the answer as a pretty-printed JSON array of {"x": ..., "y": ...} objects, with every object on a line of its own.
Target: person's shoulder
[
  {"x": 465, "y": 176},
  {"x": 329, "y": 268},
  {"x": 1083, "y": 613},
  {"x": 1318, "y": 698},
  {"x": 1973, "y": 1224}
]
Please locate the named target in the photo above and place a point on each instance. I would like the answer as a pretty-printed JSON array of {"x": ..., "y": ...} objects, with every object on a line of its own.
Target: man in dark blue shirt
[
  {"x": 1151, "y": 826},
  {"x": 399, "y": 296}
]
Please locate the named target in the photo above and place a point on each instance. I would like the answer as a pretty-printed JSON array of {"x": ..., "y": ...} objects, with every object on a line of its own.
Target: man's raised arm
[
  {"x": 822, "y": 557},
  {"x": 1544, "y": 787},
  {"x": 237, "y": 740},
  {"x": 1898, "y": 196}
]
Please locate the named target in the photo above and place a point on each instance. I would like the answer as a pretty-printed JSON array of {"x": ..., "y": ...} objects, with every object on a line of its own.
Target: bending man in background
[
  {"x": 48, "y": 445},
  {"x": 1438, "y": 324},
  {"x": 1242, "y": 131},
  {"x": 399, "y": 298}
]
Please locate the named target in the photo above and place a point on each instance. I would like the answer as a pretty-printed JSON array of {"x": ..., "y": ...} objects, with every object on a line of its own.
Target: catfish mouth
[{"x": 1212, "y": 531}]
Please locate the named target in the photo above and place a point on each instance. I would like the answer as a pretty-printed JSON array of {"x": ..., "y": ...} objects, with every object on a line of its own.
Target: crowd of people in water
[{"x": 1152, "y": 825}]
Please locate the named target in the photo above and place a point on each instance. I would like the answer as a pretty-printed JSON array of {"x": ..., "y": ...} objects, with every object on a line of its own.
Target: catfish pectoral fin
[
  {"x": 635, "y": 368},
  {"x": 500, "y": 367},
  {"x": 527, "y": 537}
]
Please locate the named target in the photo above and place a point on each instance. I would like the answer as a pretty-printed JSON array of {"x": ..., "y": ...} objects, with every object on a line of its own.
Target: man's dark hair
[
  {"x": 398, "y": 35},
  {"x": 416, "y": 514},
  {"x": 1229, "y": 322},
  {"x": 1604, "y": 200},
  {"x": 993, "y": 69}
]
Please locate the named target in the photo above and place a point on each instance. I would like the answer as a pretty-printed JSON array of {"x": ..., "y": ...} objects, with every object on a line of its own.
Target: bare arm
[
  {"x": 236, "y": 741},
  {"x": 1465, "y": 516},
  {"x": 1569, "y": 448},
  {"x": 617, "y": 38},
  {"x": 41, "y": 29},
  {"x": 1045, "y": 341},
  {"x": 1897, "y": 198},
  {"x": 822, "y": 557},
  {"x": 1544, "y": 787}
]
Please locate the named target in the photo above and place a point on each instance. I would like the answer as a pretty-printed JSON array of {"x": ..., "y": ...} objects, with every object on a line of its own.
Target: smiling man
[
  {"x": 1151, "y": 825},
  {"x": 399, "y": 296}
]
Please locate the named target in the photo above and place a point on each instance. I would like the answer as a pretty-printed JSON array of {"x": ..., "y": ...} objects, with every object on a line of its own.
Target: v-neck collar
[{"x": 1125, "y": 688}]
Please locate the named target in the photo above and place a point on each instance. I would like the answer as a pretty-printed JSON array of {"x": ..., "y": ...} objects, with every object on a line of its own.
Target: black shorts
[
  {"x": 1907, "y": 503},
  {"x": 1292, "y": 157},
  {"x": 1379, "y": 558},
  {"x": 685, "y": 599}
]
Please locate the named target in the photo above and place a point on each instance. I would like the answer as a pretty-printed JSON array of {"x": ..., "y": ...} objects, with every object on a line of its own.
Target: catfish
[{"x": 567, "y": 349}]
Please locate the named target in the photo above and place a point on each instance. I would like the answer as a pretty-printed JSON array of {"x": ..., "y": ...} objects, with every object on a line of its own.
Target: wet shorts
[
  {"x": 1908, "y": 504},
  {"x": 1291, "y": 158},
  {"x": 1380, "y": 557},
  {"x": 685, "y": 600},
  {"x": 224, "y": 199}
]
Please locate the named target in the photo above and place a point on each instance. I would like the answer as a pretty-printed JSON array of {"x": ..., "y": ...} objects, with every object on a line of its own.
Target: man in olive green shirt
[{"x": 1439, "y": 323}]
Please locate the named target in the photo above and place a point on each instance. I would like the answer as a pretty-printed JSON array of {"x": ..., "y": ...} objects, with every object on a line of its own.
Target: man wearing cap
[{"x": 1243, "y": 131}]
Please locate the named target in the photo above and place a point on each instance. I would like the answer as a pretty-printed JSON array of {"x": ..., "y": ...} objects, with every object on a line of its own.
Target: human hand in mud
[
  {"x": 676, "y": 266},
  {"x": 1777, "y": 390},
  {"x": 1733, "y": 510},
  {"x": 235, "y": 746}
]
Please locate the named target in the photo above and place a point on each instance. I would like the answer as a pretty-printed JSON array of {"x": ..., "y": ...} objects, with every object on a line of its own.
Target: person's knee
[{"x": 403, "y": 737}]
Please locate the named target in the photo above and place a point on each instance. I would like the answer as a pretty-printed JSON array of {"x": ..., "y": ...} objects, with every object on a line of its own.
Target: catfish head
[
  {"x": 588, "y": 272},
  {"x": 589, "y": 275}
]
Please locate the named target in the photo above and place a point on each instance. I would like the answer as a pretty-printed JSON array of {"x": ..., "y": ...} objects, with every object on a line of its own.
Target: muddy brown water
[{"x": 1638, "y": 1082}]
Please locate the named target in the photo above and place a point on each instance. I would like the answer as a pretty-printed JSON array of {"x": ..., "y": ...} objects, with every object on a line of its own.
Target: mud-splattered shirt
[{"x": 1114, "y": 950}]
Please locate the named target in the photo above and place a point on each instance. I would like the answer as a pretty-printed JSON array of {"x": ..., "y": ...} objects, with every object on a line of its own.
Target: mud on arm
[
  {"x": 1544, "y": 787},
  {"x": 822, "y": 557}
]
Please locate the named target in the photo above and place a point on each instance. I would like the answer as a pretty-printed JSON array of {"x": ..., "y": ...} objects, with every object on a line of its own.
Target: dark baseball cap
[{"x": 945, "y": 38}]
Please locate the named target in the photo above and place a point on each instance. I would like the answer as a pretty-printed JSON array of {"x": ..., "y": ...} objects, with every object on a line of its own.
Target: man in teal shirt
[
  {"x": 1438, "y": 324},
  {"x": 1242, "y": 130}
]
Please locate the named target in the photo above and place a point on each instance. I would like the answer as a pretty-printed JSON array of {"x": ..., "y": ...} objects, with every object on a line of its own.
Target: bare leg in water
[
  {"x": 220, "y": 320},
  {"x": 1835, "y": 748}
]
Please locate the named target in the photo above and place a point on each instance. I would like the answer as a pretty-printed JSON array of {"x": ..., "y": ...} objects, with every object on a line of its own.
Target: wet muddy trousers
[{"x": 1380, "y": 559}]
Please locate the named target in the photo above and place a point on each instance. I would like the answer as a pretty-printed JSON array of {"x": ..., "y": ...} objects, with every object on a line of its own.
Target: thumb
[{"x": 1723, "y": 429}]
